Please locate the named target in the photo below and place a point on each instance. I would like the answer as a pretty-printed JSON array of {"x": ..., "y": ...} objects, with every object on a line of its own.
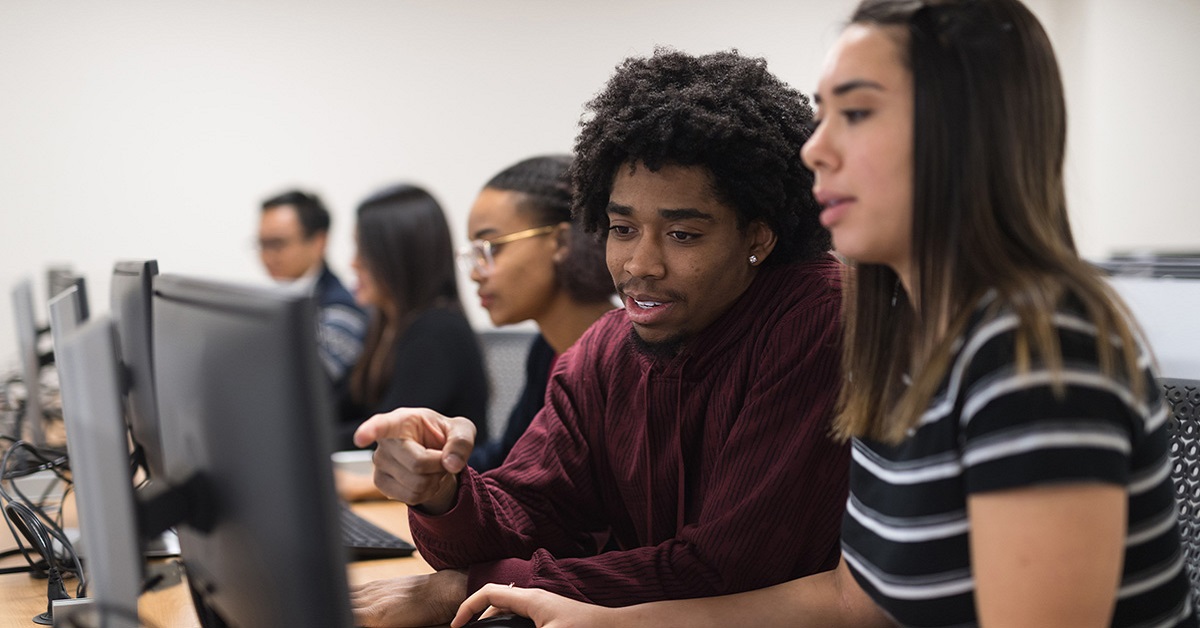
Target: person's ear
[
  {"x": 319, "y": 240},
  {"x": 561, "y": 236},
  {"x": 762, "y": 242}
]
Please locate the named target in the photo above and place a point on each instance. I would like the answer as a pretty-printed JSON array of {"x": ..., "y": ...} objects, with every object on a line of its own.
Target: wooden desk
[{"x": 22, "y": 597}]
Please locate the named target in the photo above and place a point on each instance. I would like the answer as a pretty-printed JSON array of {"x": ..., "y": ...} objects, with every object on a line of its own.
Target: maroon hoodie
[{"x": 711, "y": 472}]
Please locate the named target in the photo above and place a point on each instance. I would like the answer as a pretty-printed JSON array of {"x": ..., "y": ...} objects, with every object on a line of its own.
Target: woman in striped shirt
[{"x": 1010, "y": 458}]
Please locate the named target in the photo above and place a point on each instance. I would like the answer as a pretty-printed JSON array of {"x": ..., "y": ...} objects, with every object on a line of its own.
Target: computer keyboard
[{"x": 367, "y": 541}]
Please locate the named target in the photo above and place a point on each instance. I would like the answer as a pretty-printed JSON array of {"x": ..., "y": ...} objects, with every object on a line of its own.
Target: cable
[
  {"x": 36, "y": 526},
  {"x": 49, "y": 459},
  {"x": 39, "y": 566},
  {"x": 6, "y": 499},
  {"x": 24, "y": 517},
  {"x": 9, "y": 553}
]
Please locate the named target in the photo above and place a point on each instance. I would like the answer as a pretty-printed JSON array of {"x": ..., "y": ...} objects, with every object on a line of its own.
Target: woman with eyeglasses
[
  {"x": 532, "y": 263},
  {"x": 420, "y": 350},
  {"x": 1010, "y": 450}
]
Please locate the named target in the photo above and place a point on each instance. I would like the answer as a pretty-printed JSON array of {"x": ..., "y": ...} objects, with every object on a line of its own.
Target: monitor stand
[{"x": 165, "y": 545}]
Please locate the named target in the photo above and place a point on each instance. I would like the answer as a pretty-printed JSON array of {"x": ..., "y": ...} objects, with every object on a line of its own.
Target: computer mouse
[{"x": 503, "y": 621}]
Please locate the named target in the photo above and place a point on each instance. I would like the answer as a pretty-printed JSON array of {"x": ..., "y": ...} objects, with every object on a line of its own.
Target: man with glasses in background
[{"x": 292, "y": 234}]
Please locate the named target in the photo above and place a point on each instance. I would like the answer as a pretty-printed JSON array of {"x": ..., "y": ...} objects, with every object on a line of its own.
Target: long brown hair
[
  {"x": 404, "y": 242},
  {"x": 989, "y": 214}
]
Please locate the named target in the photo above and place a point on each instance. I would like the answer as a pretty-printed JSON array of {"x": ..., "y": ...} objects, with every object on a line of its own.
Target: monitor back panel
[
  {"x": 27, "y": 344},
  {"x": 130, "y": 302},
  {"x": 99, "y": 452},
  {"x": 244, "y": 405}
]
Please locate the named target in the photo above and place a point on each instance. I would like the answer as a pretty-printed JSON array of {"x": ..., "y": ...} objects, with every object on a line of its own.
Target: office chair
[
  {"x": 504, "y": 352},
  {"x": 1183, "y": 396}
]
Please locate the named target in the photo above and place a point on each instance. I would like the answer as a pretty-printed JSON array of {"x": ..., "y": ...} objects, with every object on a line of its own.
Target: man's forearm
[{"x": 827, "y": 600}]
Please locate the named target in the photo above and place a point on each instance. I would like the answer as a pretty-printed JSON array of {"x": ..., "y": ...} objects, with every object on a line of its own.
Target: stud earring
[{"x": 753, "y": 260}]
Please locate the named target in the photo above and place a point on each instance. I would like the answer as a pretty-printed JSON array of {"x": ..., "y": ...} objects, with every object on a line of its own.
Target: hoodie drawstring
[
  {"x": 649, "y": 462},
  {"x": 681, "y": 490}
]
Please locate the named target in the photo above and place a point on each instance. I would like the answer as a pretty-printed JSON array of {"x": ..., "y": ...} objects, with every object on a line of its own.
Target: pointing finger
[{"x": 460, "y": 440}]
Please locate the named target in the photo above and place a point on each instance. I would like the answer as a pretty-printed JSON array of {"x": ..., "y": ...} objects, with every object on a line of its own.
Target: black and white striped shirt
[{"x": 906, "y": 532}]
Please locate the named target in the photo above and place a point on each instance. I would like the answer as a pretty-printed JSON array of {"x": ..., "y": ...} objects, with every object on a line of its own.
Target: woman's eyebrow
[{"x": 849, "y": 86}]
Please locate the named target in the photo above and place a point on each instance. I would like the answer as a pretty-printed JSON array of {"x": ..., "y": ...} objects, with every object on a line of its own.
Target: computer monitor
[
  {"x": 1154, "y": 264},
  {"x": 80, "y": 286},
  {"x": 130, "y": 295},
  {"x": 246, "y": 421},
  {"x": 130, "y": 301},
  {"x": 68, "y": 310},
  {"x": 89, "y": 376},
  {"x": 61, "y": 277},
  {"x": 1165, "y": 309},
  {"x": 32, "y": 421}
]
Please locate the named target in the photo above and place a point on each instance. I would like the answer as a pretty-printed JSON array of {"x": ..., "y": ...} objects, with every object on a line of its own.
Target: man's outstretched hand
[{"x": 419, "y": 455}]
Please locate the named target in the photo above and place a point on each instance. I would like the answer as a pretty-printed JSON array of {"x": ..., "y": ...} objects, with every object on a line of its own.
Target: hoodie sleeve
[{"x": 546, "y": 485}]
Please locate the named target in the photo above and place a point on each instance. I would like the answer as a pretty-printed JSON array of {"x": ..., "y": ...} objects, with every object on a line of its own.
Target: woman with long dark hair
[{"x": 420, "y": 350}]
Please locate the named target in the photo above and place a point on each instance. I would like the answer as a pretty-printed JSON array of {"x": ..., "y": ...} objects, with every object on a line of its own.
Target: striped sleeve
[
  {"x": 1042, "y": 427},
  {"x": 340, "y": 331}
]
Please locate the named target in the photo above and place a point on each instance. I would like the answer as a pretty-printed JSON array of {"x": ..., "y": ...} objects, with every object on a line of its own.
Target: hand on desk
[
  {"x": 425, "y": 600},
  {"x": 419, "y": 456},
  {"x": 546, "y": 609}
]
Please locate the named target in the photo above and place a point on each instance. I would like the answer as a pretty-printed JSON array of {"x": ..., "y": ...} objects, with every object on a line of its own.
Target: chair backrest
[
  {"x": 505, "y": 351},
  {"x": 1183, "y": 396}
]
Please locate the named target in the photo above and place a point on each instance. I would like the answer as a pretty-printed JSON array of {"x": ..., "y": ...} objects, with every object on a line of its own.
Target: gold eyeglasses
[{"x": 479, "y": 255}]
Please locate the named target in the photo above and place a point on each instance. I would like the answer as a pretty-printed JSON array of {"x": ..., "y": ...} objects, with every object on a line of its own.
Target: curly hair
[
  {"x": 546, "y": 192},
  {"x": 721, "y": 111}
]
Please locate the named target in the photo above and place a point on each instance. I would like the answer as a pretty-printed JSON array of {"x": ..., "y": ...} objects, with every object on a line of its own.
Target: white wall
[
  {"x": 145, "y": 129},
  {"x": 1133, "y": 78}
]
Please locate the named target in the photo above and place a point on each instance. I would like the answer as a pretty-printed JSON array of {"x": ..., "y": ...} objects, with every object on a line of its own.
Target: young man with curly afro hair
[{"x": 684, "y": 449}]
